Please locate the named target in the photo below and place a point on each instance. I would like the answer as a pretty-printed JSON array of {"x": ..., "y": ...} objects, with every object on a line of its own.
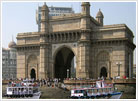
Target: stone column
[
  {"x": 21, "y": 64},
  {"x": 84, "y": 60},
  {"x": 27, "y": 70},
  {"x": 48, "y": 60},
  {"x": 61, "y": 37},
  {"x": 76, "y": 35},
  {"x": 42, "y": 62},
  {"x": 45, "y": 61},
  {"x": 109, "y": 69}
]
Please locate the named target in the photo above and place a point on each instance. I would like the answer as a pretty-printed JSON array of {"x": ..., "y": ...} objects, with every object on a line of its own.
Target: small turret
[
  {"x": 85, "y": 8},
  {"x": 99, "y": 17},
  {"x": 44, "y": 18}
]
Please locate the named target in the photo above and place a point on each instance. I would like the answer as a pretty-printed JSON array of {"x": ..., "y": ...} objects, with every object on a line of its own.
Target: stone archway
[
  {"x": 32, "y": 67},
  {"x": 103, "y": 67},
  {"x": 33, "y": 74},
  {"x": 103, "y": 72},
  {"x": 63, "y": 63}
]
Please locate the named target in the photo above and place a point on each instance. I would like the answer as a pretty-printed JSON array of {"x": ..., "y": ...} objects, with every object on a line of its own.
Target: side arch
[
  {"x": 32, "y": 64},
  {"x": 103, "y": 60}
]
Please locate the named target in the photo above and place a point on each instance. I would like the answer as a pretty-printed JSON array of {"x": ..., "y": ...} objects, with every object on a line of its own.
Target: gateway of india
[{"x": 99, "y": 50}]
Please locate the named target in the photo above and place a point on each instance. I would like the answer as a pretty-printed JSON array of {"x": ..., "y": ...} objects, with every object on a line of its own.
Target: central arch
[{"x": 64, "y": 63}]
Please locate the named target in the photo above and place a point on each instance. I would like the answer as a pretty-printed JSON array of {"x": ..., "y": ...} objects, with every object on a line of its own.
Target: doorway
[
  {"x": 103, "y": 72},
  {"x": 33, "y": 74}
]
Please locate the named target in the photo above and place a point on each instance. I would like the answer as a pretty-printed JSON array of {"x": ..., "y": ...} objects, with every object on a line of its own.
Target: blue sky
[{"x": 18, "y": 17}]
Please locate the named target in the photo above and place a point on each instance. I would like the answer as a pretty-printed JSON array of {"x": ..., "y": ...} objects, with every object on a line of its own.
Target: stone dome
[
  {"x": 12, "y": 44},
  {"x": 99, "y": 14}
]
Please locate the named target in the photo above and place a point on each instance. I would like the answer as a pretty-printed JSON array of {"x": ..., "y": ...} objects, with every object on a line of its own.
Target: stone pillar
[
  {"x": 109, "y": 69},
  {"x": 21, "y": 63},
  {"x": 45, "y": 70},
  {"x": 84, "y": 60},
  {"x": 130, "y": 64},
  {"x": 26, "y": 70},
  {"x": 49, "y": 68},
  {"x": 42, "y": 70}
]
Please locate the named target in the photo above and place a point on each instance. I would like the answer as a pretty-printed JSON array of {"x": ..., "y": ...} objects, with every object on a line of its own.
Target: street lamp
[
  {"x": 118, "y": 64},
  {"x": 67, "y": 73}
]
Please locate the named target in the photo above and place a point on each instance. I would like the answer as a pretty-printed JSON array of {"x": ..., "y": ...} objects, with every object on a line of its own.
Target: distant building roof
[{"x": 12, "y": 44}]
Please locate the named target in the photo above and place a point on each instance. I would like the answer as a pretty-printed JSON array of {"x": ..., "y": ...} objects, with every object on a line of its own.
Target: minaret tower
[
  {"x": 44, "y": 18},
  {"x": 85, "y": 13},
  {"x": 99, "y": 17},
  {"x": 84, "y": 42},
  {"x": 85, "y": 6},
  {"x": 43, "y": 45}
]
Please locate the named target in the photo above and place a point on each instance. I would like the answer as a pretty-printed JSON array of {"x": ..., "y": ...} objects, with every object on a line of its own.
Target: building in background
[
  {"x": 9, "y": 61},
  {"x": 53, "y": 11}
]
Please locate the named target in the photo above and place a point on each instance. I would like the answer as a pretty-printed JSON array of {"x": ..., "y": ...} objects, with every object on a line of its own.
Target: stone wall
[{"x": 72, "y": 24}]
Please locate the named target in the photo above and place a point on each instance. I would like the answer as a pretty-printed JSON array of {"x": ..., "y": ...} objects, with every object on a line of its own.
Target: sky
[{"x": 18, "y": 17}]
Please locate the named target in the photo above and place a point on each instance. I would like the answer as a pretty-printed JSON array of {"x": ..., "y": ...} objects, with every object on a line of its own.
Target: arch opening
[
  {"x": 64, "y": 65},
  {"x": 103, "y": 72},
  {"x": 32, "y": 67},
  {"x": 33, "y": 74}
]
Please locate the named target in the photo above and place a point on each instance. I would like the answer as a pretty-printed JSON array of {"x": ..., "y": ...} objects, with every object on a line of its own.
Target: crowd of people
[
  {"x": 56, "y": 82},
  {"x": 49, "y": 82}
]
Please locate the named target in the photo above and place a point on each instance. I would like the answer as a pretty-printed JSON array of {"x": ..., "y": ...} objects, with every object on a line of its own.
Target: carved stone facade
[{"x": 96, "y": 47}]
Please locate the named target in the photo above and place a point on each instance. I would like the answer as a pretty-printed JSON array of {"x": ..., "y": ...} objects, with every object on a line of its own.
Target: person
[
  {"x": 124, "y": 77},
  {"x": 9, "y": 84},
  {"x": 19, "y": 91},
  {"x": 48, "y": 84},
  {"x": 85, "y": 93}
]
